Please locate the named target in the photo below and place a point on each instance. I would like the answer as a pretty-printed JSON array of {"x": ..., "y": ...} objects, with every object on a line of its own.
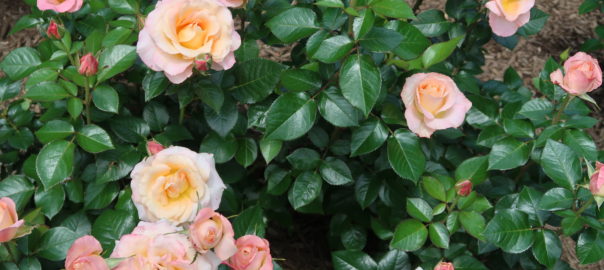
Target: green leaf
[
  {"x": 249, "y": 222},
  {"x": 74, "y": 107},
  {"x": 363, "y": 23},
  {"x": 55, "y": 163},
  {"x": 124, "y": 6},
  {"x": 508, "y": 153},
  {"x": 255, "y": 80},
  {"x": 224, "y": 149},
  {"x": 561, "y": 164},
  {"x": 366, "y": 190},
  {"x": 94, "y": 139},
  {"x": 439, "y": 52},
  {"x": 115, "y": 60},
  {"x": 518, "y": 128},
  {"x": 224, "y": 121},
  {"x": 571, "y": 225},
  {"x": 410, "y": 235},
  {"x": 354, "y": 237},
  {"x": 405, "y": 155},
  {"x": 536, "y": 109},
  {"x": 547, "y": 248},
  {"x": 432, "y": 23},
  {"x": 395, "y": 260},
  {"x": 54, "y": 130},
  {"x": 210, "y": 94},
  {"x": 50, "y": 201},
  {"x": 439, "y": 235},
  {"x": 270, "y": 149},
  {"x": 55, "y": 243},
  {"x": 392, "y": 8},
  {"x": 368, "y": 137},
  {"x": 27, "y": 21},
  {"x": 108, "y": 170},
  {"x": 46, "y": 91},
  {"x": 473, "y": 169},
  {"x": 337, "y": 110},
  {"x": 304, "y": 159},
  {"x": 293, "y": 24},
  {"x": 300, "y": 80},
  {"x": 557, "y": 199},
  {"x": 510, "y": 230},
  {"x": 419, "y": 209},
  {"x": 538, "y": 20},
  {"x": 473, "y": 223},
  {"x": 156, "y": 115},
  {"x": 381, "y": 39},
  {"x": 360, "y": 81},
  {"x": 9, "y": 89},
  {"x": 247, "y": 152},
  {"x": 106, "y": 98},
  {"x": 18, "y": 188},
  {"x": 20, "y": 62},
  {"x": 119, "y": 35},
  {"x": 154, "y": 84},
  {"x": 78, "y": 223},
  {"x": 352, "y": 260},
  {"x": 111, "y": 225},
  {"x": 99, "y": 196},
  {"x": 590, "y": 247},
  {"x": 335, "y": 172},
  {"x": 278, "y": 180},
  {"x": 30, "y": 263},
  {"x": 435, "y": 188},
  {"x": 305, "y": 190},
  {"x": 581, "y": 143},
  {"x": 466, "y": 262},
  {"x": 290, "y": 116},
  {"x": 130, "y": 129},
  {"x": 333, "y": 49},
  {"x": 414, "y": 42}
]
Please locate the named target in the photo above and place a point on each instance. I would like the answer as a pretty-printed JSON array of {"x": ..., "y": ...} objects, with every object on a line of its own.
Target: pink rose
[
  {"x": 85, "y": 253},
  {"x": 211, "y": 230},
  {"x": 178, "y": 32},
  {"x": 88, "y": 65},
  {"x": 464, "y": 188},
  {"x": 154, "y": 147},
  {"x": 53, "y": 30},
  {"x": 60, "y": 5},
  {"x": 506, "y": 16},
  {"x": 9, "y": 220},
  {"x": 253, "y": 253},
  {"x": 160, "y": 245},
  {"x": 433, "y": 102},
  {"x": 583, "y": 74},
  {"x": 444, "y": 266},
  {"x": 174, "y": 184},
  {"x": 596, "y": 183}
]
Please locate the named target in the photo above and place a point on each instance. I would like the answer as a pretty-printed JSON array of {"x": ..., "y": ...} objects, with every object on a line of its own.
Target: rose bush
[{"x": 152, "y": 135}]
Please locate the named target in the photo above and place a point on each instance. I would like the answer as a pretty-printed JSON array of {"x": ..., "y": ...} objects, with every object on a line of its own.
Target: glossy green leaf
[
  {"x": 270, "y": 149},
  {"x": 410, "y": 235},
  {"x": 508, "y": 153},
  {"x": 55, "y": 163},
  {"x": 360, "y": 81},
  {"x": 547, "y": 248},
  {"x": 293, "y": 24},
  {"x": 20, "y": 62},
  {"x": 510, "y": 230},
  {"x": 368, "y": 137},
  {"x": 224, "y": 149},
  {"x": 352, "y": 260},
  {"x": 337, "y": 110},
  {"x": 561, "y": 164},
  {"x": 54, "y": 130},
  {"x": 405, "y": 155},
  {"x": 290, "y": 116},
  {"x": 50, "y": 201},
  {"x": 55, "y": 243},
  {"x": 474, "y": 223},
  {"x": 556, "y": 199},
  {"x": 94, "y": 139},
  {"x": 255, "y": 80},
  {"x": 246, "y": 152},
  {"x": 305, "y": 190},
  {"x": 590, "y": 247},
  {"x": 439, "y": 235},
  {"x": 439, "y": 52},
  {"x": 392, "y": 8},
  {"x": 335, "y": 172},
  {"x": 106, "y": 98},
  {"x": 115, "y": 60},
  {"x": 333, "y": 49}
]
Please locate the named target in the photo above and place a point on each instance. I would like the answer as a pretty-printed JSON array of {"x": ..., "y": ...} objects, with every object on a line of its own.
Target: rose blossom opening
[
  {"x": 9, "y": 220},
  {"x": 582, "y": 74},
  {"x": 506, "y": 16},
  {"x": 60, "y": 6}
]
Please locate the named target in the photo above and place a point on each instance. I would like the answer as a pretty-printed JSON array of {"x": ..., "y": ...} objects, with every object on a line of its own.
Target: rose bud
[
  {"x": 582, "y": 74},
  {"x": 85, "y": 253},
  {"x": 9, "y": 220},
  {"x": 444, "y": 266},
  {"x": 154, "y": 147},
  {"x": 88, "y": 65},
  {"x": 253, "y": 253},
  {"x": 464, "y": 188},
  {"x": 53, "y": 30},
  {"x": 596, "y": 183},
  {"x": 211, "y": 230}
]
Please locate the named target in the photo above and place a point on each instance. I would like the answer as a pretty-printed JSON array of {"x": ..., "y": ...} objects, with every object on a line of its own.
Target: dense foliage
[{"x": 323, "y": 134}]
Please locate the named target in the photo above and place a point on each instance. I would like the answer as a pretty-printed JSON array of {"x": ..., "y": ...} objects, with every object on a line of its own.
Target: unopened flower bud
[
  {"x": 88, "y": 65},
  {"x": 154, "y": 147},
  {"x": 53, "y": 31},
  {"x": 464, "y": 188}
]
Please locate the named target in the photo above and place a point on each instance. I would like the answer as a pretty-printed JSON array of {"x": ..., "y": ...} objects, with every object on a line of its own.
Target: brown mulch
[{"x": 565, "y": 29}]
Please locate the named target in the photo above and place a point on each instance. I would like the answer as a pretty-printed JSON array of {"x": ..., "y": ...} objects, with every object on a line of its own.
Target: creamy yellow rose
[{"x": 174, "y": 184}]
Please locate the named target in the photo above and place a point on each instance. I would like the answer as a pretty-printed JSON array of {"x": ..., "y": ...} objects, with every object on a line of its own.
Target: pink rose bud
[
  {"x": 53, "y": 30},
  {"x": 211, "y": 230},
  {"x": 201, "y": 65},
  {"x": 154, "y": 147},
  {"x": 88, "y": 65},
  {"x": 596, "y": 182},
  {"x": 9, "y": 220},
  {"x": 505, "y": 16},
  {"x": 464, "y": 188},
  {"x": 433, "y": 102},
  {"x": 253, "y": 253},
  {"x": 85, "y": 253},
  {"x": 444, "y": 266},
  {"x": 60, "y": 5},
  {"x": 582, "y": 74}
]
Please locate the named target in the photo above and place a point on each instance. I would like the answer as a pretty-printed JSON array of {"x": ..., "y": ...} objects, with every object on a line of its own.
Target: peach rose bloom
[
  {"x": 211, "y": 230},
  {"x": 9, "y": 220},
  {"x": 85, "y": 254},
  {"x": 506, "y": 16},
  {"x": 178, "y": 32},
  {"x": 583, "y": 74},
  {"x": 174, "y": 184},
  {"x": 253, "y": 253},
  {"x": 596, "y": 182},
  {"x": 433, "y": 102},
  {"x": 160, "y": 245},
  {"x": 60, "y": 5},
  {"x": 444, "y": 266},
  {"x": 233, "y": 3}
]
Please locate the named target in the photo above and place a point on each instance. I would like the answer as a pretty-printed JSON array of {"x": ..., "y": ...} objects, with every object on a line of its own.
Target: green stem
[
  {"x": 353, "y": 4},
  {"x": 87, "y": 101},
  {"x": 418, "y": 4},
  {"x": 584, "y": 207},
  {"x": 10, "y": 252},
  {"x": 565, "y": 103}
]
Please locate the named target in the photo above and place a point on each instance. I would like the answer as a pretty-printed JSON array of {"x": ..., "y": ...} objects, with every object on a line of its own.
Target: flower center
[
  {"x": 510, "y": 6},
  {"x": 432, "y": 95},
  {"x": 191, "y": 36},
  {"x": 176, "y": 184}
]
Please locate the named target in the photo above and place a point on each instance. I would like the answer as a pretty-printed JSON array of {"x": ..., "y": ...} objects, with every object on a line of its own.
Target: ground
[{"x": 308, "y": 250}]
